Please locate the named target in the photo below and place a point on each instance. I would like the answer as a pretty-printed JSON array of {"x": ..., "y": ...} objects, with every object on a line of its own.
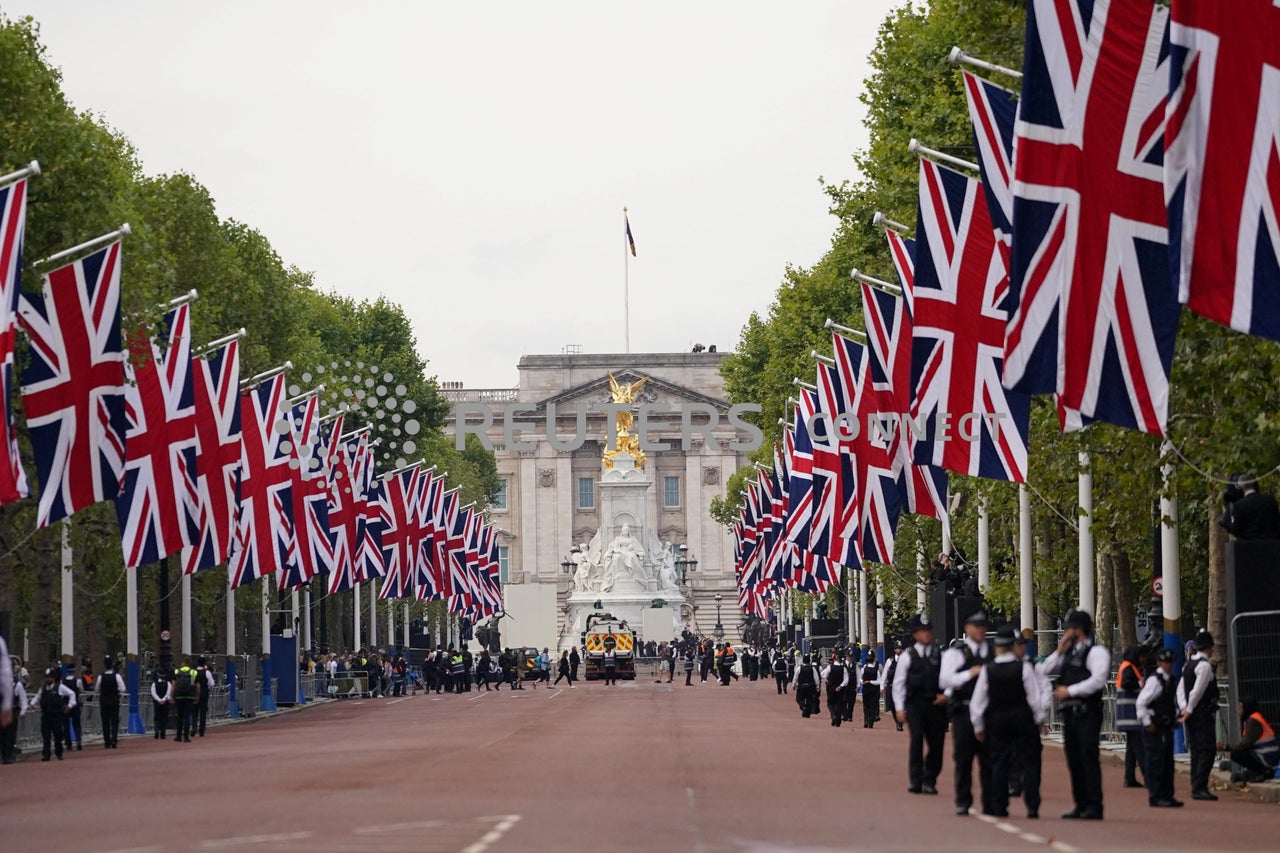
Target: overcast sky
[{"x": 471, "y": 160}]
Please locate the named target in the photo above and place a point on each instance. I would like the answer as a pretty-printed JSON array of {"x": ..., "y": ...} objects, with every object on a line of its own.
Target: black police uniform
[
  {"x": 926, "y": 721},
  {"x": 870, "y": 692}
]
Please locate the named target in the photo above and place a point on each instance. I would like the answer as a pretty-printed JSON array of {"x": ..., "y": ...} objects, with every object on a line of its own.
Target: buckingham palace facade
[{"x": 549, "y": 501}]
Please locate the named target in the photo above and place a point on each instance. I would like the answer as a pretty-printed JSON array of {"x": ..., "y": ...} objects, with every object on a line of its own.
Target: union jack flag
[
  {"x": 460, "y": 595},
  {"x": 833, "y": 473},
  {"x": 881, "y": 450},
  {"x": 1222, "y": 162},
  {"x": 73, "y": 386},
  {"x": 400, "y": 532},
  {"x": 971, "y": 424},
  {"x": 430, "y": 571},
  {"x": 264, "y": 513},
  {"x": 923, "y": 488},
  {"x": 311, "y": 551},
  {"x": 345, "y": 495},
  {"x": 157, "y": 506},
  {"x": 372, "y": 561},
  {"x": 1090, "y": 258},
  {"x": 217, "y": 383},
  {"x": 446, "y": 520},
  {"x": 13, "y": 223},
  {"x": 851, "y": 367},
  {"x": 800, "y": 486}
]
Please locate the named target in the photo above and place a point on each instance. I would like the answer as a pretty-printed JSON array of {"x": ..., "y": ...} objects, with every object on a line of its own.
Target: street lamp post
[
  {"x": 686, "y": 563},
  {"x": 719, "y": 629}
]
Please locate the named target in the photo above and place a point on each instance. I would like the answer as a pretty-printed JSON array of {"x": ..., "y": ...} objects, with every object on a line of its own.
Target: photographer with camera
[{"x": 1249, "y": 514}]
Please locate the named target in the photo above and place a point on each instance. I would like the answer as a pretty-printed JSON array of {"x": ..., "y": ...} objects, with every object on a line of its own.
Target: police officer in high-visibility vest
[
  {"x": 1198, "y": 698},
  {"x": 186, "y": 692},
  {"x": 921, "y": 704},
  {"x": 1128, "y": 685},
  {"x": 1082, "y": 667},
  {"x": 1006, "y": 710},
  {"x": 959, "y": 673},
  {"x": 1157, "y": 711},
  {"x": 1258, "y": 752}
]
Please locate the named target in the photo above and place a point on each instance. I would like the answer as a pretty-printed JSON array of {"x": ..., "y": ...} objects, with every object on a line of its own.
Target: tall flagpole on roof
[{"x": 626, "y": 284}]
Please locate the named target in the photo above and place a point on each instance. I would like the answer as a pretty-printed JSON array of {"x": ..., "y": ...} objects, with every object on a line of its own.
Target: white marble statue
[
  {"x": 624, "y": 558},
  {"x": 582, "y": 578}
]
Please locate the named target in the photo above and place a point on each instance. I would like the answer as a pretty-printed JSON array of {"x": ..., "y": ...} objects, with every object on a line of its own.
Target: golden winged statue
[{"x": 625, "y": 393}]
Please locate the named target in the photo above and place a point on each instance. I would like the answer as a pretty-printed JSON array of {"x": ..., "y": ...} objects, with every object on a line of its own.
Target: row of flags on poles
[
  {"x": 200, "y": 467},
  {"x": 1138, "y": 170}
]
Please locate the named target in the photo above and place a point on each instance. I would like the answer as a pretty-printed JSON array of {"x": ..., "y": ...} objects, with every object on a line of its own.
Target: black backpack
[
  {"x": 51, "y": 700},
  {"x": 184, "y": 684}
]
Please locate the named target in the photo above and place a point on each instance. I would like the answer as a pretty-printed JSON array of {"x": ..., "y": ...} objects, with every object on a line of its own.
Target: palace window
[
  {"x": 500, "y": 498},
  {"x": 671, "y": 492},
  {"x": 586, "y": 493}
]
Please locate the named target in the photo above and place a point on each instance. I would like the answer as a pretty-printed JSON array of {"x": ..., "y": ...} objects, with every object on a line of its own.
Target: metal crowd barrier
[{"x": 1255, "y": 655}]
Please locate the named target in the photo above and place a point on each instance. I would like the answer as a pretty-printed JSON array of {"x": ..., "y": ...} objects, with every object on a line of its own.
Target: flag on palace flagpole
[{"x": 631, "y": 241}]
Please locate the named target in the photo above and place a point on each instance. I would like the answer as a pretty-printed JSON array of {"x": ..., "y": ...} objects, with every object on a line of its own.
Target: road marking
[
  {"x": 217, "y": 843},
  {"x": 394, "y": 701},
  {"x": 1007, "y": 827},
  {"x": 474, "y": 698},
  {"x": 553, "y": 695},
  {"x": 394, "y": 827},
  {"x": 1064, "y": 848},
  {"x": 505, "y": 822},
  {"x": 138, "y": 850}
]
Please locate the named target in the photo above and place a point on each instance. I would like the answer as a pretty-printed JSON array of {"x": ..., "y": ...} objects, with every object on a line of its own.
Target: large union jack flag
[
  {"x": 13, "y": 223},
  {"x": 264, "y": 511},
  {"x": 311, "y": 550},
  {"x": 371, "y": 561},
  {"x": 1222, "y": 162},
  {"x": 217, "y": 381},
  {"x": 1089, "y": 220},
  {"x": 971, "y": 424},
  {"x": 158, "y": 504},
  {"x": 923, "y": 487},
  {"x": 400, "y": 531},
  {"x": 73, "y": 386},
  {"x": 429, "y": 575},
  {"x": 344, "y": 503}
]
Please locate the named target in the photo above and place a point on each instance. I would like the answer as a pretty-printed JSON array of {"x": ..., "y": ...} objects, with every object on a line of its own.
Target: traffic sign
[
  {"x": 1157, "y": 587},
  {"x": 165, "y": 636}
]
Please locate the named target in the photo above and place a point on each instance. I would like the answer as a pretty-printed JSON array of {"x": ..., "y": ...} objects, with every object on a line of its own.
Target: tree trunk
[
  {"x": 1217, "y": 617},
  {"x": 1123, "y": 580},
  {"x": 1106, "y": 615}
]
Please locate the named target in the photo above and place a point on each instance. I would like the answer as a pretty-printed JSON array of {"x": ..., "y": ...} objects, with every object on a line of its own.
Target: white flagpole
[
  {"x": 391, "y": 623},
  {"x": 133, "y": 671},
  {"x": 863, "y": 590},
  {"x": 267, "y": 701},
  {"x": 68, "y": 600},
  {"x": 306, "y": 617},
  {"x": 984, "y": 546},
  {"x": 1170, "y": 561},
  {"x": 233, "y": 701},
  {"x": 373, "y": 614},
  {"x": 1027, "y": 597},
  {"x": 920, "y": 593},
  {"x": 626, "y": 284},
  {"x": 186, "y": 613},
  {"x": 1088, "y": 596},
  {"x": 355, "y": 642},
  {"x": 406, "y": 626}
]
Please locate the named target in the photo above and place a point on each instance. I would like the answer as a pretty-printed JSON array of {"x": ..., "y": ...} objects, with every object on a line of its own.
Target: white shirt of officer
[
  {"x": 168, "y": 691},
  {"x": 884, "y": 670},
  {"x": 1204, "y": 675},
  {"x": 955, "y": 674},
  {"x": 1097, "y": 661},
  {"x": 1036, "y": 692},
  {"x": 63, "y": 690},
  {"x": 826, "y": 670},
  {"x": 904, "y": 666},
  {"x": 109, "y": 673},
  {"x": 1151, "y": 690},
  {"x": 795, "y": 679}
]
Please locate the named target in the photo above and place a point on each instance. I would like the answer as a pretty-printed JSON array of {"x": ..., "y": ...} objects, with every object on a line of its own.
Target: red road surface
[{"x": 640, "y": 767}]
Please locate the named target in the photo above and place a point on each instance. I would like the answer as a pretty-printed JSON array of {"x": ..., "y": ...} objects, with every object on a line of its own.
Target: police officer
[
  {"x": 1158, "y": 715},
  {"x": 921, "y": 704},
  {"x": 206, "y": 680},
  {"x": 186, "y": 692},
  {"x": 871, "y": 691},
  {"x": 961, "y": 666},
  {"x": 836, "y": 677},
  {"x": 1005, "y": 712},
  {"x": 1082, "y": 667},
  {"x": 610, "y": 667},
  {"x": 688, "y": 667},
  {"x": 805, "y": 685},
  {"x": 886, "y": 684},
  {"x": 55, "y": 701},
  {"x": 110, "y": 688},
  {"x": 74, "y": 732},
  {"x": 780, "y": 672},
  {"x": 457, "y": 673},
  {"x": 13, "y": 704},
  {"x": 161, "y": 701},
  {"x": 1198, "y": 698}
]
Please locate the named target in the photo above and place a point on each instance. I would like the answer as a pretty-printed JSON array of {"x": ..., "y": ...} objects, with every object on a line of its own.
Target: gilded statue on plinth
[{"x": 624, "y": 393}]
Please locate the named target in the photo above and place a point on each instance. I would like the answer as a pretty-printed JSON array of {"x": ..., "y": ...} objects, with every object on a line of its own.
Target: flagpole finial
[{"x": 34, "y": 166}]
